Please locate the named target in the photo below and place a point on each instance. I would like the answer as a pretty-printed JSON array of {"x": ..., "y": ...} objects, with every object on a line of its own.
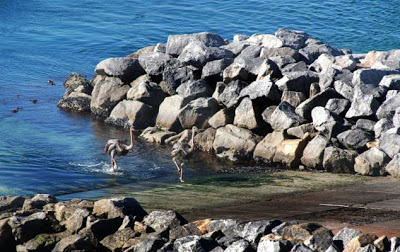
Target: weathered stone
[
  {"x": 344, "y": 236},
  {"x": 156, "y": 136},
  {"x": 388, "y": 107},
  {"x": 160, "y": 48},
  {"x": 132, "y": 113},
  {"x": 371, "y": 162},
  {"x": 365, "y": 124},
  {"x": 236, "y": 47},
  {"x": 290, "y": 151},
  {"x": 107, "y": 93},
  {"x": 176, "y": 43},
  {"x": 227, "y": 226},
  {"x": 370, "y": 76},
  {"x": 394, "y": 244},
  {"x": 11, "y": 203},
  {"x": 293, "y": 98},
  {"x": 279, "y": 52},
  {"x": 204, "y": 140},
  {"x": 126, "y": 69},
  {"x": 391, "y": 81},
  {"x": 230, "y": 95},
  {"x": 300, "y": 66},
  {"x": 345, "y": 89},
  {"x": 146, "y": 92},
  {"x": 241, "y": 245},
  {"x": 314, "y": 152},
  {"x": 174, "y": 76},
  {"x": 100, "y": 228},
  {"x": 266, "y": 114},
  {"x": 254, "y": 230},
  {"x": 76, "y": 101},
  {"x": 354, "y": 139},
  {"x": 266, "y": 40},
  {"x": 213, "y": 70},
  {"x": 64, "y": 209},
  {"x": 263, "y": 88},
  {"x": 284, "y": 117},
  {"x": 382, "y": 243},
  {"x": 326, "y": 122},
  {"x": 253, "y": 66},
  {"x": 320, "y": 240},
  {"x": 77, "y": 220},
  {"x": 182, "y": 231},
  {"x": 338, "y": 160},
  {"x": 219, "y": 88},
  {"x": 223, "y": 117},
  {"x": 297, "y": 81},
  {"x": 198, "y": 112},
  {"x": 234, "y": 143},
  {"x": 25, "y": 228},
  {"x": 75, "y": 82},
  {"x": 393, "y": 167},
  {"x": 301, "y": 130},
  {"x": 81, "y": 242},
  {"x": 268, "y": 69},
  {"x": 118, "y": 207},
  {"x": 363, "y": 106},
  {"x": 127, "y": 222},
  {"x": 235, "y": 71},
  {"x": 162, "y": 221},
  {"x": 168, "y": 113},
  {"x": 266, "y": 148},
  {"x": 305, "y": 108},
  {"x": 360, "y": 241},
  {"x": 278, "y": 230},
  {"x": 193, "y": 243},
  {"x": 118, "y": 240},
  {"x": 247, "y": 115},
  {"x": 382, "y": 126},
  {"x": 192, "y": 90},
  {"x": 292, "y": 38},
  {"x": 390, "y": 144},
  {"x": 154, "y": 62},
  {"x": 337, "y": 106}
]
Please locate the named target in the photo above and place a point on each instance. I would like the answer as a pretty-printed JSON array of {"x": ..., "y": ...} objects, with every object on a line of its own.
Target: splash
[{"x": 100, "y": 167}]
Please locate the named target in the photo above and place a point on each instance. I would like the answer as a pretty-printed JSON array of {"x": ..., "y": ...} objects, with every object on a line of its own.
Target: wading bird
[
  {"x": 117, "y": 147},
  {"x": 182, "y": 150}
]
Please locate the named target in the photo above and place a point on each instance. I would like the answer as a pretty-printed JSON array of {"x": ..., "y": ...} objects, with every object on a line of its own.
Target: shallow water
[{"x": 44, "y": 149}]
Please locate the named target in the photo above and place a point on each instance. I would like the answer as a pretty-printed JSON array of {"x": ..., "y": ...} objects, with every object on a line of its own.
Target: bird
[
  {"x": 118, "y": 147},
  {"x": 51, "y": 83},
  {"x": 182, "y": 150}
]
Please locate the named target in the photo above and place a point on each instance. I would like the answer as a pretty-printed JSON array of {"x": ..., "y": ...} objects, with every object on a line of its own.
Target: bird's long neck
[
  {"x": 192, "y": 142},
  {"x": 130, "y": 147}
]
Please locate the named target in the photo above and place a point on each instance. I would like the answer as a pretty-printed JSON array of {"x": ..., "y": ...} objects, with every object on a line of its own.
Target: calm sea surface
[{"x": 46, "y": 150}]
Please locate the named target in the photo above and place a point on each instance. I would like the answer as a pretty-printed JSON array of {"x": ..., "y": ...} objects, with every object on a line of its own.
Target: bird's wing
[{"x": 110, "y": 145}]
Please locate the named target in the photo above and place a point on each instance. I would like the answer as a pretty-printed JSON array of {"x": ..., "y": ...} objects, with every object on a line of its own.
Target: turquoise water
[{"x": 44, "y": 149}]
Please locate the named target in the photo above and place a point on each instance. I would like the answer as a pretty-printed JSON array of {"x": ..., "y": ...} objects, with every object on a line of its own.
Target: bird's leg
[
  {"x": 181, "y": 175},
  {"x": 178, "y": 169},
  {"x": 113, "y": 162}
]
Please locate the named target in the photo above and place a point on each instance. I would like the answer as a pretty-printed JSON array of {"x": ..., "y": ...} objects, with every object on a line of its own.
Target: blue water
[{"x": 46, "y": 150}]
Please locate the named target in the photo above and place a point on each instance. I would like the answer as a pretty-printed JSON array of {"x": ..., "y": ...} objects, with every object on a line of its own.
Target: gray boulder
[
  {"x": 38, "y": 201},
  {"x": 182, "y": 231},
  {"x": 118, "y": 207},
  {"x": 362, "y": 106},
  {"x": 236, "y": 47},
  {"x": 235, "y": 71},
  {"x": 193, "y": 243},
  {"x": 365, "y": 124},
  {"x": 100, "y": 228},
  {"x": 266, "y": 40},
  {"x": 234, "y": 143},
  {"x": 297, "y": 81},
  {"x": 314, "y": 152},
  {"x": 382, "y": 126},
  {"x": 337, "y": 106},
  {"x": 75, "y": 101},
  {"x": 368, "y": 248},
  {"x": 247, "y": 115},
  {"x": 141, "y": 51},
  {"x": 284, "y": 117},
  {"x": 223, "y": 117},
  {"x": 292, "y": 38},
  {"x": 168, "y": 113},
  {"x": 176, "y": 43},
  {"x": 212, "y": 71},
  {"x": 192, "y": 90},
  {"x": 227, "y": 226},
  {"x": 107, "y": 93},
  {"x": 10, "y": 203},
  {"x": 266, "y": 148},
  {"x": 198, "y": 112},
  {"x": 263, "y": 88},
  {"x": 77, "y": 83},
  {"x": 26, "y": 228},
  {"x": 231, "y": 93},
  {"x": 154, "y": 62},
  {"x": 326, "y": 122},
  {"x": 219, "y": 88},
  {"x": 338, "y": 160},
  {"x": 241, "y": 245},
  {"x": 371, "y": 162},
  {"x": 132, "y": 113},
  {"x": 391, "y": 81},
  {"x": 77, "y": 220},
  {"x": 344, "y": 236},
  {"x": 370, "y": 76},
  {"x": 126, "y": 69},
  {"x": 119, "y": 239},
  {"x": 174, "y": 76},
  {"x": 393, "y": 167},
  {"x": 152, "y": 243},
  {"x": 390, "y": 144},
  {"x": 301, "y": 130},
  {"x": 394, "y": 244},
  {"x": 301, "y": 247},
  {"x": 293, "y": 98},
  {"x": 146, "y": 92},
  {"x": 162, "y": 221},
  {"x": 345, "y": 89},
  {"x": 160, "y": 48},
  {"x": 269, "y": 53},
  {"x": 315, "y": 48},
  {"x": 391, "y": 93},
  {"x": 274, "y": 246},
  {"x": 254, "y": 230},
  {"x": 300, "y": 66},
  {"x": 388, "y": 107},
  {"x": 355, "y": 139},
  {"x": 266, "y": 114}
]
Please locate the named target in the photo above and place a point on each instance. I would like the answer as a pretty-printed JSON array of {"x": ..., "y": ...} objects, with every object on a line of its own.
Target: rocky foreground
[
  {"x": 286, "y": 98},
  {"x": 121, "y": 224}
]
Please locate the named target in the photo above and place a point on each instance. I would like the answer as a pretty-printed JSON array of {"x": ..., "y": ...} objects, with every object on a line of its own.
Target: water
[{"x": 46, "y": 150}]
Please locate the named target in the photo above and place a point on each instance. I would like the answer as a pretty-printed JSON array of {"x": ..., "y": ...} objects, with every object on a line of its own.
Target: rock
[
  {"x": 267, "y": 40},
  {"x": 345, "y": 89},
  {"x": 234, "y": 143},
  {"x": 284, "y": 117},
  {"x": 173, "y": 76},
  {"x": 337, "y": 106},
  {"x": 382, "y": 126},
  {"x": 75, "y": 242},
  {"x": 314, "y": 48},
  {"x": 274, "y": 246},
  {"x": 364, "y": 103},
  {"x": 212, "y": 71},
  {"x": 300, "y": 232},
  {"x": 146, "y": 92},
  {"x": 365, "y": 124},
  {"x": 344, "y": 236},
  {"x": 26, "y": 228},
  {"x": 127, "y": 222},
  {"x": 293, "y": 98},
  {"x": 355, "y": 139},
  {"x": 236, "y": 47},
  {"x": 267, "y": 113},
  {"x": 76, "y": 102},
  {"x": 297, "y": 81},
  {"x": 382, "y": 243},
  {"x": 368, "y": 248},
  {"x": 176, "y": 43},
  {"x": 193, "y": 243},
  {"x": 182, "y": 231},
  {"x": 227, "y": 226},
  {"x": 77, "y": 221},
  {"x": 371, "y": 162},
  {"x": 107, "y": 93},
  {"x": 220, "y": 87},
  {"x": 64, "y": 209},
  {"x": 370, "y": 76},
  {"x": 230, "y": 95},
  {"x": 314, "y": 152},
  {"x": 153, "y": 243},
  {"x": 388, "y": 107},
  {"x": 320, "y": 240},
  {"x": 7, "y": 242},
  {"x": 269, "y": 53},
  {"x": 268, "y": 69},
  {"x": 141, "y": 51},
  {"x": 118, "y": 207},
  {"x": 301, "y": 247},
  {"x": 393, "y": 167},
  {"x": 160, "y": 48},
  {"x": 305, "y": 108},
  {"x": 192, "y": 90},
  {"x": 119, "y": 239},
  {"x": 10, "y": 203},
  {"x": 168, "y": 113},
  {"x": 204, "y": 140},
  {"x": 263, "y": 88},
  {"x": 338, "y": 160},
  {"x": 41, "y": 242},
  {"x": 77, "y": 83},
  {"x": 158, "y": 136},
  {"x": 266, "y": 148},
  {"x": 290, "y": 151},
  {"x": 301, "y": 130},
  {"x": 391, "y": 93},
  {"x": 326, "y": 122},
  {"x": 390, "y": 144},
  {"x": 162, "y": 221},
  {"x": 223, "y": 117},
  {"x": 198, "y": 112},
  {"x": 126, "y": 69},
  {"x": 359, "y": 241},
  {"x": 241, "y": 245},
  {"x": 235, "y": 71},
  {"x": 391, "y": 81},
  {"x": 394, "y": 244},
  {"x": 100, "y": 228},
  {"x": 254, "y": 230},
  {"x": 292, "y": 38},
  {"x": 247, "y": 115},
  {"x": 154, "y": 62},
  {"x": 132, "y": 113}
]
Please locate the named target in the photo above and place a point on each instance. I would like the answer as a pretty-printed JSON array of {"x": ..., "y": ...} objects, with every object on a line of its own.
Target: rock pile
[
  {"x": 42, "y": 223},
  {"x": 286, "y": 98}
]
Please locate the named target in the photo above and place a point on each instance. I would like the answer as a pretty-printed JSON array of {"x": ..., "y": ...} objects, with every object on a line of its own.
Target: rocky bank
[
  {"x": 41, "y": 223},
  {"x": 286, "y": 98}
]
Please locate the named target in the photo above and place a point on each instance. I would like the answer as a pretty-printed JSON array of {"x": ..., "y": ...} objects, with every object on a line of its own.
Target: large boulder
[
  {"x": 173, "y": 76},
  {"x": 223, "y": 117},
  {"x": 293, "y": 98},
  {"x": 11, "y": 203},
  {"x": 192, "y": 90},
  {"x": 259, "y": 89},
  {"x": 301, "y": 130},
  {"x": 76, "y": 242},
  {"x": 391, "y": 81},
  {"x": 146, "y": 92},
  {"x": 382, "y": 126},
  {"x": 339, "y": 160},
  {"x": 247, "y": 115},
  {"x": 266, "y": 148},
  {"x": 363, "y": 104},
  {"x": 290, "y": 151},
  {"x": 77, "y": 220},
  {"x": 126, "y": 69},
  {"x": 154, "y": 62},
  {"x": 168, "y": 113},
  {"x": 204, "y": 140},
  {"x": 231, "y": 93},
  {"x": 77, "y": 95},
  {"x": 344, "y": 236},
  {"x": 314, "y": 48},
  {"x": 326, "y": 122},
  {"x": 284, "y": 117},
  {"x": 345, "y": 89},
  {"x": 314, "y": 152},
  {"x": 292, "y": 38},
  {"x": 388, "y": 107},
  {"x": 234, "y": 143},
  {"x": 254, "y": 230},
  {"x": 162, "y": 221},
  {"x": 198, "y": 112},
  {"x": 370, "y": 76},
  {"x": 25, "y": 228},
  {"x": 212, "y": 71},
  {"x": 107, "y": 93},
  {"x": 132, "y": 113},
  {"x": 119, "y": 240},
  {"x": 64, "y": 209},
  {"x": 355, "y": 139},
  {"x": 118, "y": 207},
  {"x": 371, "y": 162},
  {"x": 38, "y": 201},
  {"x": 176, "y": 43},
  {"x": 337, "y": 106},
  {"x": 390, "y": 144}
]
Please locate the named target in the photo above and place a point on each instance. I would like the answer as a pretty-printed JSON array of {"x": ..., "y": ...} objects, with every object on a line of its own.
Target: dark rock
[
  {"x": 292, "y": 38},
  {"x": 168, "y": 113},
  {"x": 118, "y": 207},
  {"x": 198, "y": 112},
  {"x": 314, "y": 89},
  {"x": 263, "y": 88},
  {"x": 76, "y": 101},
  {"x": 338, "y": 160},
  {"x": 194, "y": 243},
  {"x": 118, "y": 240},
  {"x": 25, "y": 228},
  {"x": 326, "y": 122},
  {"x": 390, "y": 144},
  {"x": 107, "y": 93},
  {"x": 182, "y": 231},
  {"x": 365, "y": 124},
  {"x": 223, "y": 117},
  {"x": 355, "y": 139},
  {"x": 220, "y": 87},
  {"x": 148, "y": 93},
  {"x": 247, "y": 115},
  {"x": 239, "y": 246},
  {"x": 268, "y": 69},
  {"x": 235, "y": 143},
  {"x": 295, "y": 67},
  {"x": 230, "y": 96},
  {"x": 254, "y": 230},
  {"x": 388, "y": 107},
  {"x": 213, "y": 70},
  {"x": 77, "y": 83},
  {"x": 320, "y": 240},
  {"x": 293, "y": 98},
  {"x": 382, "y": 126},
  {"x": 266, "y": 148},
  {"x": 204, "y": 140},
  {"x": 100, "y": 228},
  {"x": 284, "y": 117},
  {"x": 7, "y": 241},
  {"x": 174, "y": 76},
  {"x": 132, "y": 113},
  {"x": 192, "y": 90},
  {"x": 337, "y": 106},
  {"x": 314, "y": 152},
  {"x": 154, "y": 62},
  {"x": 370, "y": 76},
  {"x": 297, "y": 81},
  {"x": 10, "y": 203},
  {"x": 162, "y": 221},
  {"x": 126, "y": 69}
]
